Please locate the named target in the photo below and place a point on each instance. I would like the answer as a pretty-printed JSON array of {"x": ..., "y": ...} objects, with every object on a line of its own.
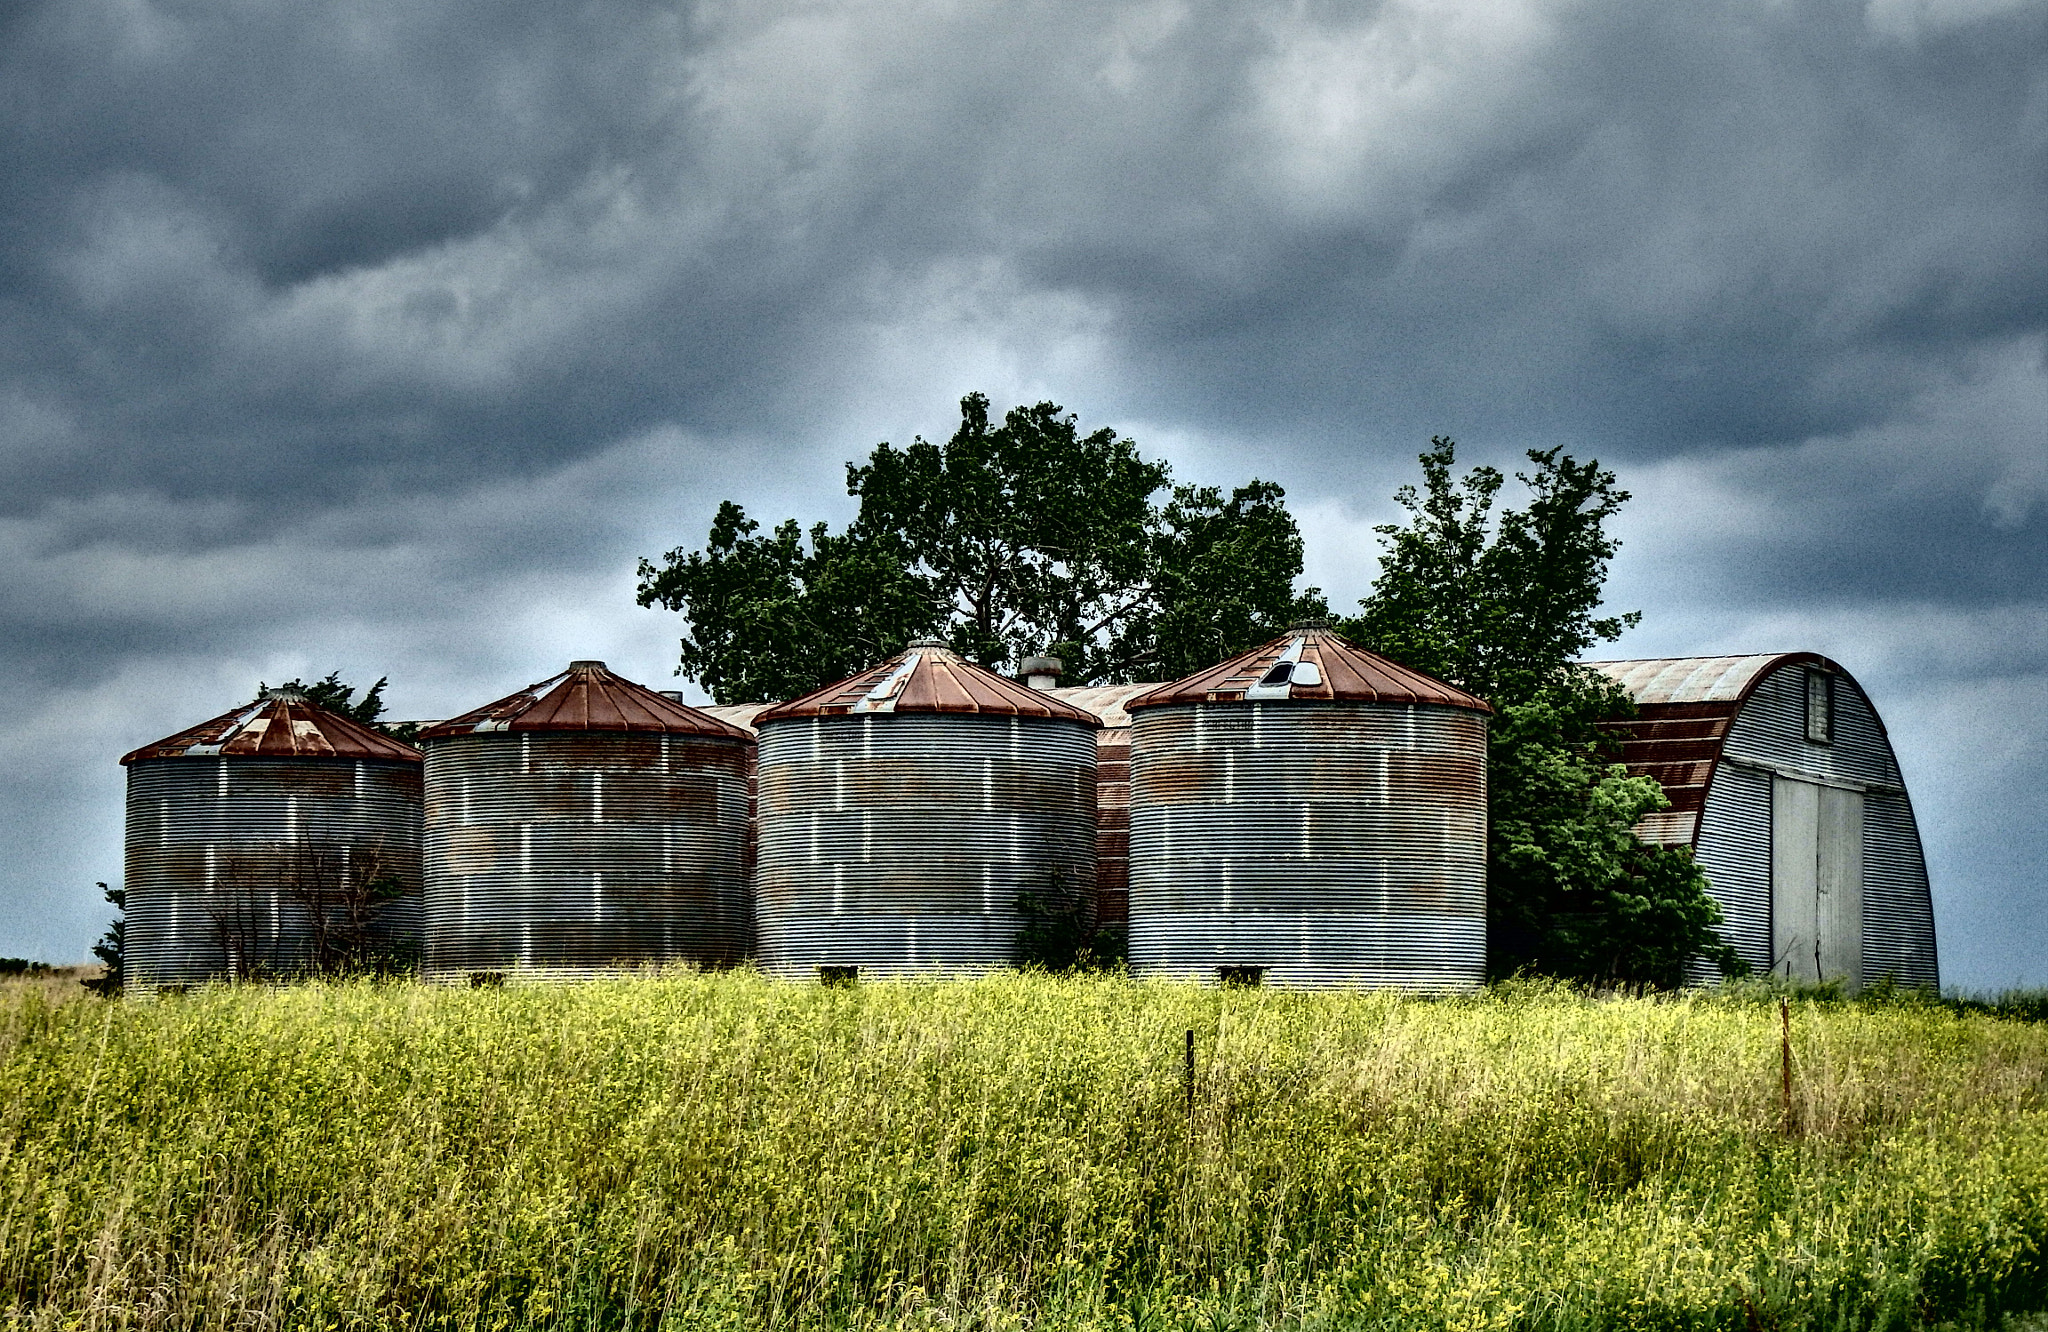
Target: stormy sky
[{"x": 386, "y": 336}]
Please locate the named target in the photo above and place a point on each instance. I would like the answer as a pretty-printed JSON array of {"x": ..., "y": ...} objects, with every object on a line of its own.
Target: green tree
[
  {"x": 778, "y": 615},
  {"x": 112, "y": 949},
  {"x": 1503, "y": 604},
  {"x": 330, "y": 693},
  {"x": 1011, "y": 538}
]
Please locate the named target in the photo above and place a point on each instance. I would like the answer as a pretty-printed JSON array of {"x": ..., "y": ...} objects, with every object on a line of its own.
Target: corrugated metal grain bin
[
  {"x": 1308, "y": 813},
  {"x": 583, "y": 825},
  {"x": 904, "y": 813},
  {"x": 1783, "y": 782},
  {"x": 272, "y": 840}
]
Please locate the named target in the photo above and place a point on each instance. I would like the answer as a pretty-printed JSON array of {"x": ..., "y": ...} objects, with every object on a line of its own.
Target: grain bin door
[{"x": 1816, "y": 881}]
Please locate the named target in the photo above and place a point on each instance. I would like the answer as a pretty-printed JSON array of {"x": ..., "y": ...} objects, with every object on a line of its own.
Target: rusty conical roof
[
  {"x": 281, "y": 724},
  {"x": 586, "y": 697},
  {"x": 1320, "y": 666},
  {"x": 927, "y": 677}
]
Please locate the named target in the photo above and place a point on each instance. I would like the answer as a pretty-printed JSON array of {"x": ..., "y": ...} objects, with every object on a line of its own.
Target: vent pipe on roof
[
  {"x": 586, "y": 665},
  {"x": 1041, "y": 672},
  {"x": 281, "y": 694}
]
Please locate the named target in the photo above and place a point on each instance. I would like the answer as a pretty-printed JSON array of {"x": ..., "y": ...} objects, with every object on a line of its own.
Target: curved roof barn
[{"x": 1783, "y": 782}]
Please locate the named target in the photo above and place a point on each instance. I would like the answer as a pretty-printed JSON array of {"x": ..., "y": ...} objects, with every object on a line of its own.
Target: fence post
[{"x": 1785, "y": 1066}]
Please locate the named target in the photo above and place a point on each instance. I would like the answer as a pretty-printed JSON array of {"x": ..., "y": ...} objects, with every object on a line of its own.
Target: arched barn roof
[
  {"x": 1685, "y": 706},
  {"x": 284, "y": 723}
]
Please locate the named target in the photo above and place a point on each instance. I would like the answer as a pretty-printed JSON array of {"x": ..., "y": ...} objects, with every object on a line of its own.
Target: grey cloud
[{"x": 409, "y": 325}]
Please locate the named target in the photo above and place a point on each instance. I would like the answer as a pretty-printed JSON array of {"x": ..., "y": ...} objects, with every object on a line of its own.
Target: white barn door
[{"x": 1816, "y": 882}]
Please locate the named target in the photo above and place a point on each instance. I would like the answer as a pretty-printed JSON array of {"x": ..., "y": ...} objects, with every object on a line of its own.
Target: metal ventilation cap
[
  {"x": 929, "y": 643},
  {"x": 282, "y": 694},
  {"x": 586, "y": 697},
  {"x": 283, "y": 724},
  {"x": 1308, "y": 665},
  {"x": 924, "y": 678}
]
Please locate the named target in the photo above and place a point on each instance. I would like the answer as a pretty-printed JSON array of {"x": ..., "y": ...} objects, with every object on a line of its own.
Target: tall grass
[{"x": 729, "y": 1151}]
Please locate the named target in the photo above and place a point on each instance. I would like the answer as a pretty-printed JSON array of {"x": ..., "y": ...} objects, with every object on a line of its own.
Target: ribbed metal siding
[
  {"x": 901, "y": 843},
  {"x": 1770, "y": 728},
  {"x": 215, "y": 847},
  {"x": 1328, "y": 843},
  {"x": 1735, "y": 851},
  {"x": 1898, "y": 910},
  {"x": 567, "y": 854}
]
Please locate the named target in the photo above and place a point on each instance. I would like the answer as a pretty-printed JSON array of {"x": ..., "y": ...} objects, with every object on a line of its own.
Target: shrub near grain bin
[
  {"x": 1309, "y": 813},
  {"x": 906, "y": 811},
  {"x": 270, "y": 841},
  {"x": 581, "y": 825}
]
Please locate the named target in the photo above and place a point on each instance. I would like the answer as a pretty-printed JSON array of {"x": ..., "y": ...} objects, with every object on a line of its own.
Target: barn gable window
[{"x": 1820, "y": 707}]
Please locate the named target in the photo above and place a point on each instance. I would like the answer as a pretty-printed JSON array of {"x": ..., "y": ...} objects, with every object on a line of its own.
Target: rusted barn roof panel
[
  {"x": 1699, "y": 679},
  {"x": 1685, "y": 706},
  {"x": 587, "y": 697},
  {"x": 284, "y": 723}
]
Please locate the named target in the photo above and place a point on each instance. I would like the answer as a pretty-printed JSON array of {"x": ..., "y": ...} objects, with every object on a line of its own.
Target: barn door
[{"x": 1816, "y": 881}]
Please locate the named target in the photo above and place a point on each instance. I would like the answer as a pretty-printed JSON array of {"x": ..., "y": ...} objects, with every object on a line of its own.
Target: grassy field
[{"x": 729, "y": 1151}]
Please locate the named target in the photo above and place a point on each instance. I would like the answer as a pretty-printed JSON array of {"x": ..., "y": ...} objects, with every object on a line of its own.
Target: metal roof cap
[
  {"x": 283, "y": 724},
  {"x": 1342, "y": 672},
  {"x": 587, "y": 697},
  {"x": 927, "y": 677}
]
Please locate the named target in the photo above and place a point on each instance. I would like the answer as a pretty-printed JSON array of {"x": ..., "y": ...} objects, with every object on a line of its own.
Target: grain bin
[
  {"x": 1308, "y": 813},
  {"x": 906, "y": 812},
  {"x": 582, "y": 825},
  {"x": 274, "y": 840}
]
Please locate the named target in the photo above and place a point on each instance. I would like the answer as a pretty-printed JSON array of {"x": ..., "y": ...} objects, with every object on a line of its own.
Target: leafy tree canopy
[
  {"x": 1503, "y": 604},
  {"x": 1012, "y": 538},
  {"x": 330, "y": 693}
]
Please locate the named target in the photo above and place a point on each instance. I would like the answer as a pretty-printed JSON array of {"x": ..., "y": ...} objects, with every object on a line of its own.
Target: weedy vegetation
[{"x": 1027, "y": 1151}]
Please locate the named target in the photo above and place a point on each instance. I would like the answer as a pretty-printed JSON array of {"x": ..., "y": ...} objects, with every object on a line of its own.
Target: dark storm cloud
[
  {"x": 395, "y": 332},
  {"x": 430, "y": 242}
]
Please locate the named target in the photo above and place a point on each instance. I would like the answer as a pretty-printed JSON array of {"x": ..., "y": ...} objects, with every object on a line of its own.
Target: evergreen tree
[{"x": 112, "y": 949}]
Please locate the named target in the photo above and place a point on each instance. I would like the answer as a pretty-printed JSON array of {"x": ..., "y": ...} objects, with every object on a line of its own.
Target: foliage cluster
[
  {"x": 332, "y": 693},
  {"x": 730, "y": 1152},
  {"x": 1012, "y": 538},
  {"x": 1503, "y": 602}
]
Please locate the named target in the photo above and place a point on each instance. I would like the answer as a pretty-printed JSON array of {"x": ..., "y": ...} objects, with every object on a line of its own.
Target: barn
[{"x": 1783, "y": 782}]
